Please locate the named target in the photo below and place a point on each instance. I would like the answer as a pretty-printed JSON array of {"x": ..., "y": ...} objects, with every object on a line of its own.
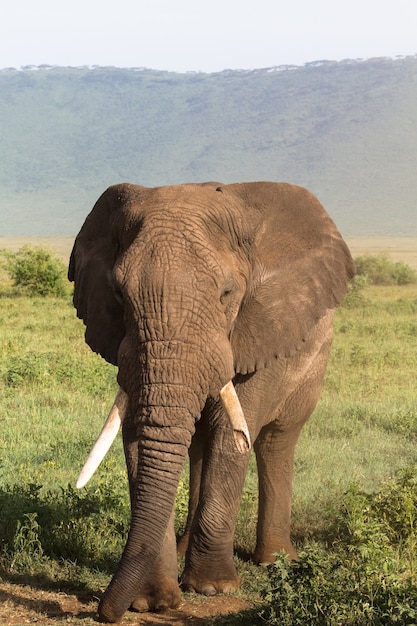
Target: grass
[
  {"x": 54, "y": 394},
  {"x": 53, "y": 391},
  {"x": 367, "y": 413}
]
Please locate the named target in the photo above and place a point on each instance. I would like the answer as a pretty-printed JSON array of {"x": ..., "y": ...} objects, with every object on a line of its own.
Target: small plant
[
  {"x": 36, "y": 272},
  {"x": 181, "y": 504},
  {"x": 27, "y": 546},
  {"x": 354, "y": 296},
  {"x": 27, "y": 368}
]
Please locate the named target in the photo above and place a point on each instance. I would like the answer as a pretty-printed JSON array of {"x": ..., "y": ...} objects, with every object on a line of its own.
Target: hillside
[{"x": 347, "y": 131}]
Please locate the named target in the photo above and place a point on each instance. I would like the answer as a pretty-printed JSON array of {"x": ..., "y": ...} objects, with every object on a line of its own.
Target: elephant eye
[{"x": 227, "y": 290}]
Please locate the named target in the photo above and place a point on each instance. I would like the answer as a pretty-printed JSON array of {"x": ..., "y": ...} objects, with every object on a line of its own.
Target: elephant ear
[
  {"x": 300, "y": 269},
  {"x": 92, "y": 259}
]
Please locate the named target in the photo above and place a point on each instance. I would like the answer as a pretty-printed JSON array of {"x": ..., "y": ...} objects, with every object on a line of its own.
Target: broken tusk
[
  {"x": 105, "y": 439},
  {"x": 234, "y": 411}
]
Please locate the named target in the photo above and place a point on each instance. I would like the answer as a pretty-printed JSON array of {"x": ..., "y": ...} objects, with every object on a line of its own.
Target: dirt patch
[{"x": 20, "y": 604}]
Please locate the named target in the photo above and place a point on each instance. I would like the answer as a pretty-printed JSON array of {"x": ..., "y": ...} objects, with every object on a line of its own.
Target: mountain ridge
[{"x": 347, "y": 130}]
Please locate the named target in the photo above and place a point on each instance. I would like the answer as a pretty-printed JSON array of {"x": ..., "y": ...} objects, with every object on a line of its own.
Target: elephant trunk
[
  {"x": 165, "y": 400},
  {"x": 161, "y": 457}
]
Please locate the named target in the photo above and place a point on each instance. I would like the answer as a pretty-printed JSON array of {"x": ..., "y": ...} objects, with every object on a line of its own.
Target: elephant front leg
[
  {"x": 195, "y": 454},
  {"x": 161, "y": 590},
  {"x": 209, "y": 564}
]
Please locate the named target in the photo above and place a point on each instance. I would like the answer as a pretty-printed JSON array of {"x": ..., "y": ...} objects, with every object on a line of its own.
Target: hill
[{"x": 346, "y": 130}]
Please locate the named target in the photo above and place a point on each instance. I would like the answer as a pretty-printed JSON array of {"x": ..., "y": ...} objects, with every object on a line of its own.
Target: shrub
[
  {"x": 380, "y": 270},
  {"x": 36, "y": 272},
  {"x": 365, "y": 578},
  {"x": 330, "y": 589}
]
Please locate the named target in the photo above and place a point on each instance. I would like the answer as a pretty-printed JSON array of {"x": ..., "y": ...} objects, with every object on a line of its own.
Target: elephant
[{"x": 216, "y": 303}]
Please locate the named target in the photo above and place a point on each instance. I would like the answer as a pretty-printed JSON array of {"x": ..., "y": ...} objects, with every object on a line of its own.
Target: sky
[{"x": 209, "y": 36}]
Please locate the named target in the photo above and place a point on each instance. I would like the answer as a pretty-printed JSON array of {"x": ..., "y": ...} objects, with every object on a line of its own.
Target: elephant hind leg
[
  {"x": 274, "y": 450},
  {"x": 274, "y": 455}
]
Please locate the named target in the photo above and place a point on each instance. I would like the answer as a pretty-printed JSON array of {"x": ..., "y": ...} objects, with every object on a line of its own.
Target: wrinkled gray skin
[{"x": 184, "y": 288}]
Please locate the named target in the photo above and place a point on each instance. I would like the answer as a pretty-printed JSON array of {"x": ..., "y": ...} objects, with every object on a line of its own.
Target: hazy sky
[{"x": 209, "y": 36}]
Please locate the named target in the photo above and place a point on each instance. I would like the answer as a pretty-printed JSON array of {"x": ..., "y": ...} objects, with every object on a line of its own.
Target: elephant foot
[
  {"x": 158, "y": 597},
  {"x": 209, "y": 585},
  {"x": 266, "y": 553}
]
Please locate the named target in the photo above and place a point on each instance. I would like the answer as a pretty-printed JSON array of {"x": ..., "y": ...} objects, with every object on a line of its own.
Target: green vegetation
[
  {"x": 68, "y": 133},
  {"x": 368, "y": 576},
  {"x": 35, "y": 272},
  {"x": 355, "y": 488},
  {"x": 380, "y": 270}
]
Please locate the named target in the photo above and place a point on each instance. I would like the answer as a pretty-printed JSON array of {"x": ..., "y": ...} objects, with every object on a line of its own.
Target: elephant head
[{"x": 183, "y": 288}]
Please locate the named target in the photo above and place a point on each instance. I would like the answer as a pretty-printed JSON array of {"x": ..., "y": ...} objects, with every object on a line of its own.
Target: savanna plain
[{"x": 355, "y": 483}]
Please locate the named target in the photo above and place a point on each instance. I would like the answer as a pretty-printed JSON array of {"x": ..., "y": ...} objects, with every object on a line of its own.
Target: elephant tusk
[
  {"x": 105, "y": 439},
  {"x": 234, "y": 411}
]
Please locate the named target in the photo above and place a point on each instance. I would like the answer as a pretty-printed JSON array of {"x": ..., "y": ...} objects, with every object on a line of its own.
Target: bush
[
  {"x": 329, "y": 589},
  {"x": 36, "y": 272},
  {"x": 380, "y": 270},
  {"x": 365, "y": 578}
]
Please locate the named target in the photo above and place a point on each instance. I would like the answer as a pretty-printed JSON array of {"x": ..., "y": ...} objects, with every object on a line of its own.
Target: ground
[{"x": 21, "y": 605}]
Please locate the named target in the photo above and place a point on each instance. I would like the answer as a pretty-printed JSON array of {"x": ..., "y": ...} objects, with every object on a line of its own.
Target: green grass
[
  {"x": 55, "y": 393},
  {"x": 367, "y": 414}
]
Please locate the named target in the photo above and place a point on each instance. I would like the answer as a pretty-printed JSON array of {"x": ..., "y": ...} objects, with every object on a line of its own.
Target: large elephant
[{"x": 187, "y": 288}]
